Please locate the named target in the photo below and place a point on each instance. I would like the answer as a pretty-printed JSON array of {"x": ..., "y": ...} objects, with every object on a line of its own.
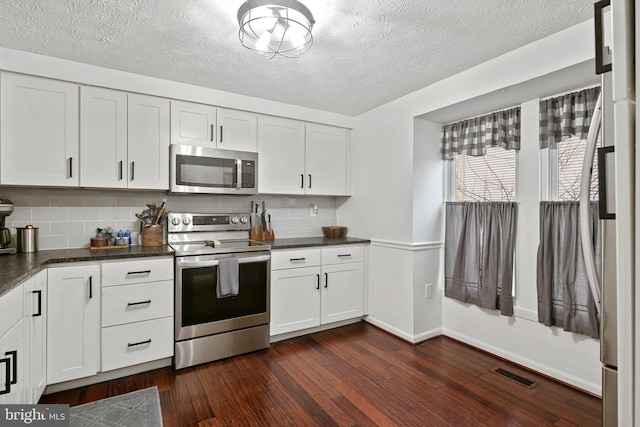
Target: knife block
[{"x": 260, "y": 234}]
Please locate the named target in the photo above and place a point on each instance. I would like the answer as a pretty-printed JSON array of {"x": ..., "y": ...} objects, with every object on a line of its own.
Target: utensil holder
[{"x": 152, "y": 235}]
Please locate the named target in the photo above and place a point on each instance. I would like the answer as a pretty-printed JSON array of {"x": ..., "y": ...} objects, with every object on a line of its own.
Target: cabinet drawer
[
  {"x": 133, "y": 303},
  {"x": 295, "y": 258},
  {"x": 138, "y": 271},
  {"x": 342, "y": 254},
  {"x": 135, "y": 343},
  {"x": 10, "y": 309}
]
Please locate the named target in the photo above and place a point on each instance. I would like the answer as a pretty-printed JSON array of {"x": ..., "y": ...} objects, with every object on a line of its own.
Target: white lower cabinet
[
  {"x": 137, "y": 312},
  {"x": 312, "y": 287},
  {"x": 73, "y": 322},
  {"x": 13, "y": 384}
]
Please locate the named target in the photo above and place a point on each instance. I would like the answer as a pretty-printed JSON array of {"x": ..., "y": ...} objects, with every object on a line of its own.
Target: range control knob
[
  {"x": 186, "y": 220},
  {"x": 175, "y": 220},
  {"x": 244, "y": 219},
  {"x": 235, "y": 220}
]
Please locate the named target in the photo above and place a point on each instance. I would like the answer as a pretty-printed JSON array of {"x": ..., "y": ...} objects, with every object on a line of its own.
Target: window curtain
[
  {"x": 567, "y": 115},
  {"x": 478, "y": 253},
  {"x": 564, "y": 298},
  {"x": 473, "y": 136}
]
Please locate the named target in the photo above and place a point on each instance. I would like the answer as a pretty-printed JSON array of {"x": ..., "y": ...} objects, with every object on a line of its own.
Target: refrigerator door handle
[
  {"x": 585, "y": 196},
  {"x": 603, "y": 203},
  {"x": 601, "y": 67}
]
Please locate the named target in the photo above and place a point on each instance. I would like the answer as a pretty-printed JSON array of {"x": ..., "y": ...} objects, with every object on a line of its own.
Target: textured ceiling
[{"x": 365, "y": 52}]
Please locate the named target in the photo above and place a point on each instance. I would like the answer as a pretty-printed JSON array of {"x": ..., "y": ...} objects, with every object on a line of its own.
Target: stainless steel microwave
[{"x": 207, "y": 170}]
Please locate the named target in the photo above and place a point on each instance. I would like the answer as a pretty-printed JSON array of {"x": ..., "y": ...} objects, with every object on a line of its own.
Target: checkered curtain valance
[
  {"x": 565, "y": 116},
  {"x": 473, "y": 136}
]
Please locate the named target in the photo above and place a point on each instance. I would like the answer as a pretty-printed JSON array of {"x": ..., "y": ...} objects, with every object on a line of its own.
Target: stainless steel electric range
[{"x": 207, "y": 327}]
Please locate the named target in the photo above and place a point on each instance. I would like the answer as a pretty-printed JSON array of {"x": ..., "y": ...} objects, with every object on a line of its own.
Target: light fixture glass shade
[{"x": 275, "y": 27}]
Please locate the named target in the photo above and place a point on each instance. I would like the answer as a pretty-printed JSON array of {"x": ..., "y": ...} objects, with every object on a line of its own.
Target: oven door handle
[{"x": 213, "y": 262}]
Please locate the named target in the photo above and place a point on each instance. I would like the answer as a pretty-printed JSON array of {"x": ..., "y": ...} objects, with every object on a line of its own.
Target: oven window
[
  {"x": 200, "y": 171},
  {"x": 199, "y": 301}
]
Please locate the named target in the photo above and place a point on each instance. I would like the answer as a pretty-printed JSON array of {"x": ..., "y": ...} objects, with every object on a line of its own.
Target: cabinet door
[
  {"x": 103, "y": 138},
  {"x": 39, "y": 131},
  {"x": 193, "y": 124},
  {"x": 326, "y": 160},
  {"x": 12, "y": 389},
  {"x": 281, "y": 156},
  {"x": 237, "y": 130},
  {"x": 148, "y": 148},
  {"x": 342, "y": 292},
  {"x": 35, "y": 322},
  {"x": 295, "y": 299},
  {"x": 73, "y": 323}
]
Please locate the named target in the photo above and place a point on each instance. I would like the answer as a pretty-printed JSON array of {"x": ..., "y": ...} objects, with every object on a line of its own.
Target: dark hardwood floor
[{"x": 354, "y": 375}]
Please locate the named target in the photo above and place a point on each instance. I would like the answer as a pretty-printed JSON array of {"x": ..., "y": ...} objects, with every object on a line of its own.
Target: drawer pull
[
  {"x": 318, "y": 283},
  {"x": 344, "y": 255},
  {"x": 90, "y": 287},
  {"x": 326, "y": 280},
  {"x": 129, "y": 304},
  {"x": 14, "y": 354},
  {"x": 296, "y": 259},
  {"x": 139, "y": 343},
  {"x": 139, "y": 272}
]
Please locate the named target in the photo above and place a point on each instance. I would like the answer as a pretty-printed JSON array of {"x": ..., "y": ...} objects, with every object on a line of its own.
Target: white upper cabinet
[
  {"x": 281, "y": 156},
  {"x": 39, "y": 132},
  {"x": 193, "y": 124},
  {"x": 237, "y": 130},
  {"x": 299, "y": 158},
  {"x": 326, "y": 160},
  {"x": 148, "y": 143},
  {"x": 103, "y": 138}
]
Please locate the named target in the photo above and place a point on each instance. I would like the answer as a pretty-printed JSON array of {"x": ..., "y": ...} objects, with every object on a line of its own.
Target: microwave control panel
[{"x": 248, "y": 174}]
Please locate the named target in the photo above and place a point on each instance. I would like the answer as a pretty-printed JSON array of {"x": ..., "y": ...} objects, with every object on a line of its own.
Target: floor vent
[{"x": 515, "y": 377}]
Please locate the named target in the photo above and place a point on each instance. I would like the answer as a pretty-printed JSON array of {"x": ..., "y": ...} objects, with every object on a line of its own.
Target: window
[
  {"x": 491, "y": 177},
  {"x": 565, "y": 160}
]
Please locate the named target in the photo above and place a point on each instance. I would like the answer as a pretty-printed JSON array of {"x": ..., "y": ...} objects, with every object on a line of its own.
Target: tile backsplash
[{"x": 67, "y": 218}]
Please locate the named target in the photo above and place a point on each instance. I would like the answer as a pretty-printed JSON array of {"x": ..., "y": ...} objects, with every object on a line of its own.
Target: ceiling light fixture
[{"x": 275, "y": 27}]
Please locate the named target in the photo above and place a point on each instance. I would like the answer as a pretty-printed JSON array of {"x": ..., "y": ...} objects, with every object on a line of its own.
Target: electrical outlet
[
  {"x": 313, "y": 210},
  {"x": 428, "y": 290}
]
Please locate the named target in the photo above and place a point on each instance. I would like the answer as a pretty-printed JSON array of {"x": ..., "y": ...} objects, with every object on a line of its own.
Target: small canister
[{"x": 27, "y": 239}]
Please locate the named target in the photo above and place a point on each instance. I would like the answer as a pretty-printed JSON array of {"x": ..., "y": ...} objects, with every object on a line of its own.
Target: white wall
[{"x": 388, "y": 205}]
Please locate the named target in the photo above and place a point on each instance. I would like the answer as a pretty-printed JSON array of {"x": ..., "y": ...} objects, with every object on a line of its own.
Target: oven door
[{"x": 198, "y": 310}]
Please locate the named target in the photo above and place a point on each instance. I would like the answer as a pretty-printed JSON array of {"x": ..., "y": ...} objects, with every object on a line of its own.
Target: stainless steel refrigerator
[{"x": 614, "y": 288}]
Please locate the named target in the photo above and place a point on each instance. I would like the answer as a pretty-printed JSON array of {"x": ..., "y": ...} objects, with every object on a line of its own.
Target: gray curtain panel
[
  {"x": 473, "y": 136},
  {"x": 567, "y": 115},
  {"x": 564, "y": 298},
  {"x": 478, "y": 253}
]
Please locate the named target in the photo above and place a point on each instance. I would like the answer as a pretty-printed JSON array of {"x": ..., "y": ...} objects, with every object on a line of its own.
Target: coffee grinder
[{"x": 6, "y": 207}]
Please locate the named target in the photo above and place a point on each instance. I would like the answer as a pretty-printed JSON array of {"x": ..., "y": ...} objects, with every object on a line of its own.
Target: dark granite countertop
[
  {"x": 304, "y": 242},
  {"x": 16, "y": 268}
]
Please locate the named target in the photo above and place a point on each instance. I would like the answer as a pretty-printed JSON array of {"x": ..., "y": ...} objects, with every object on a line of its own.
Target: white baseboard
[
  {"x": 427, "y": 335},
  {"x": 528, "y": 363},
  {"x": 402, "y": 334}
]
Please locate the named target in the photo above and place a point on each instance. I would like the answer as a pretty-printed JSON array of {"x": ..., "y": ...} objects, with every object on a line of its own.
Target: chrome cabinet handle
[
  {"x": 139, "y": 343},
  {"x": 129, "y": 304}
]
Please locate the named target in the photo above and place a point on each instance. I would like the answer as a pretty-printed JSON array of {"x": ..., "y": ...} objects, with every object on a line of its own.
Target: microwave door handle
[{"x": 239, "y": 174}]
